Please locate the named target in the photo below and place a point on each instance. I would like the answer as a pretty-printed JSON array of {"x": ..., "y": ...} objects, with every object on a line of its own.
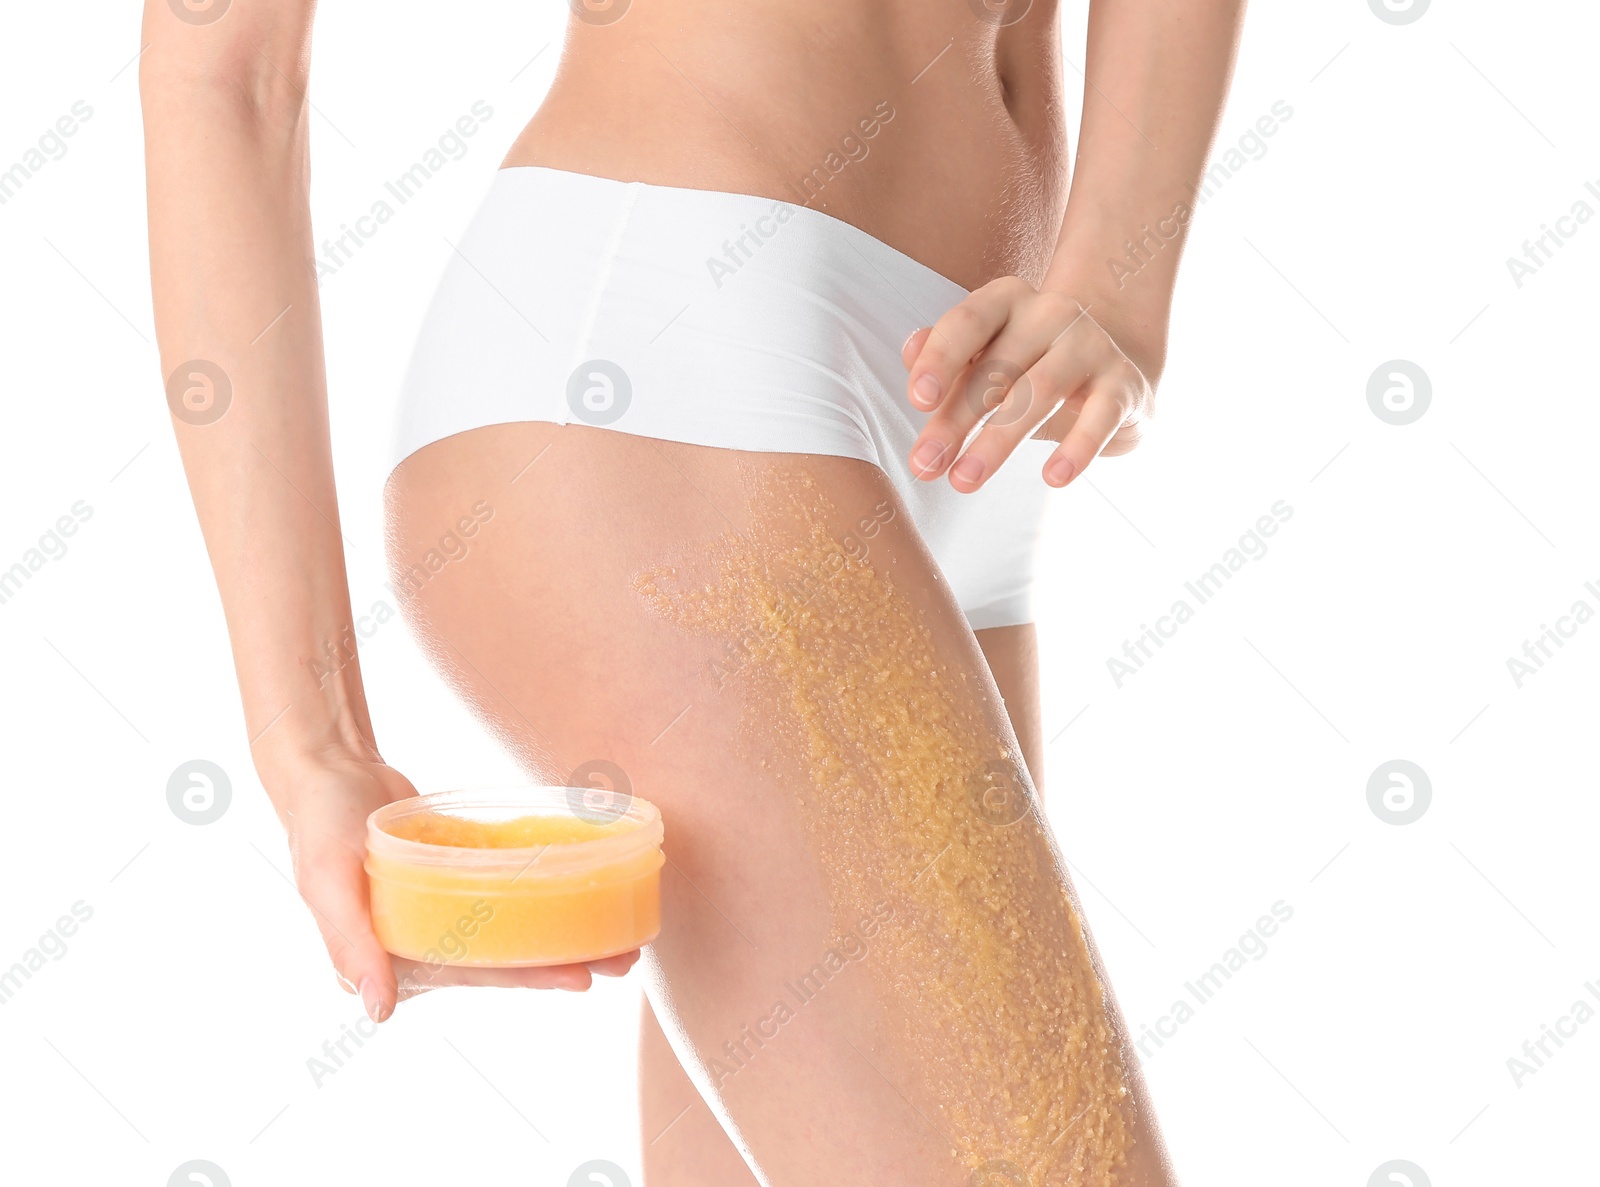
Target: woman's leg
[
  {"x": 871, "y": 958},
  {"x": 682, "y": 1143},
  {"x": 1012, "y": 655}
]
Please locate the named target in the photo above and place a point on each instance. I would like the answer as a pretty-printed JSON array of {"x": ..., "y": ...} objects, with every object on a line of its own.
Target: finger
[
  {"x": 953, "y": 340},
  {"x": 1066, "y": 366},
  {"x": 994, "y": 385},
  {"x": 913, "y": 346},
  {"x": 417, "y": 977},
  {"x": 614, "y": 966},
  {"x": 334, "y": 885},
  {"x": 1125, "y": 440},
  {"x": 1104, "y": 411}
]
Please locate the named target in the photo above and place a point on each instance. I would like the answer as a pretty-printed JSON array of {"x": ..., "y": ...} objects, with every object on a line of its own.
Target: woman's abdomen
[{"x": 931, "y": 127}]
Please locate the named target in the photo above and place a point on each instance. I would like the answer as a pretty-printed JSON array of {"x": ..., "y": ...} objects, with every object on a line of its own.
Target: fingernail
[
  {"x": 1059, "y": 471},
  {"x": 927, "y": 457},
  {"x": 344, "y": 982},
  {"x": 909, "y": 337},
  {"x": 370, "y": 999},
  {"x": 925, "y": 392},
  {"x": 969, "y": 470}
]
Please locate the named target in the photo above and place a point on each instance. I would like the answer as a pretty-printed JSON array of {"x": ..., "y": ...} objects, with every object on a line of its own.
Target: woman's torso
[{"x": 934, "y": 125}]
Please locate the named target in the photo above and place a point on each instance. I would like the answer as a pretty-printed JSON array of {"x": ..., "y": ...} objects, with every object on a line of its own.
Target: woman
[{"x": 730, "y": 536}]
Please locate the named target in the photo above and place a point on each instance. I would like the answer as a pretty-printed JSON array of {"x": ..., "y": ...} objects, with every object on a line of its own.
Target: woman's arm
[
  {"x": 238, "y": 323},
  {"x": 1092, "y": 340},
  {"x": 227, "y": 167},
  {"x": 1156, "y": 78}
]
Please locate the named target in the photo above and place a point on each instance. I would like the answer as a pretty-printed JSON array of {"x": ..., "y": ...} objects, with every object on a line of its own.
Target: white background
[{"x": 1230, "y": 772}]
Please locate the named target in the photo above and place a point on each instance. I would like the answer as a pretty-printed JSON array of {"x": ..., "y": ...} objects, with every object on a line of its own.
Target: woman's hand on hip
[
  {"x": 324, "y": 800},
  {"x": 1025, "y": 363}
]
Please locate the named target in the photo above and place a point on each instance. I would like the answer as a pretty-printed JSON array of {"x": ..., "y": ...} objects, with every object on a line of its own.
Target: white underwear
[{"x": 716, "y": 319}]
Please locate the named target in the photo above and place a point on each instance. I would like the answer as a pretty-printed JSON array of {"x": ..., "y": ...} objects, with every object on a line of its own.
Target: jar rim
[{"x": 509, "y": 802}]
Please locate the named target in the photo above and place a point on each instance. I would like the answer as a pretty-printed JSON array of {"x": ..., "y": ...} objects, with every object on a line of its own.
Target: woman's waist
[
  {"x": 949, "y": 162},
  {"x": 579, "y": 249}
]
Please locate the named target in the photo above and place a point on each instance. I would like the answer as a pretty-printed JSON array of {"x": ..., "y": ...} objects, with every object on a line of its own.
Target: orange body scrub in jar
[{"x": 515, "y": 877}]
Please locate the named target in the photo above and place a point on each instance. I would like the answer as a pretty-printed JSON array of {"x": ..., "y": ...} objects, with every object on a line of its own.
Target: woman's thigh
[
  {"x": 871, "y": 959},
  {"x": 682, "y": 1144}
]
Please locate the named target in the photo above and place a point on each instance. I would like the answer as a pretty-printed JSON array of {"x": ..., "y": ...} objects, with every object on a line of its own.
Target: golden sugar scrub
[
  {"x": 911, "y": 799},
  {"x": 520, "y": 832},
  {"x": 525, "y": 876}
]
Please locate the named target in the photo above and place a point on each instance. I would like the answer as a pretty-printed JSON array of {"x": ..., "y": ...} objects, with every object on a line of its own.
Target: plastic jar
[{"x": 525, "y": 876}]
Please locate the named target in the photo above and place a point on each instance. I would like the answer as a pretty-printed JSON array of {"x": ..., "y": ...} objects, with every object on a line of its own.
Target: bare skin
[
  {"x": 682, "y": 1143},
  {"x": 969, "y": 176},
  {"x": 557, "y": 673}
]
